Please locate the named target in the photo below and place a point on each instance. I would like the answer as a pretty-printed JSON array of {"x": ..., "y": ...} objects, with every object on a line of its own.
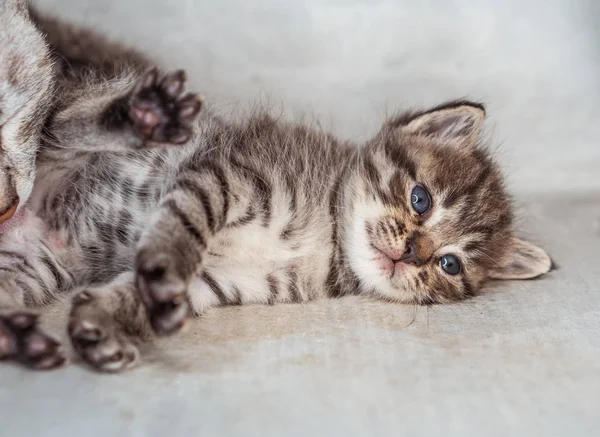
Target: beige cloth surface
[{"x": 522, "y": 359}]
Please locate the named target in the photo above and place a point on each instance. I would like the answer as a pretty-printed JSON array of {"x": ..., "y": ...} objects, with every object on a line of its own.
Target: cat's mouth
[{"x": 386, "y": 264}]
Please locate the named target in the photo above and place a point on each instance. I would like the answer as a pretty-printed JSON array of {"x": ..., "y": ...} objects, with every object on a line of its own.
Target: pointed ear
[
  {"x": 524, "y": 261},
  {"x": 458, "y": 121}
]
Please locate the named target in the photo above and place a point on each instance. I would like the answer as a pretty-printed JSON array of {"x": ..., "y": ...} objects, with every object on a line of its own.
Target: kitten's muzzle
[
  {"x": 409, "y": 255},
  {"x": 9, "y": 211}
]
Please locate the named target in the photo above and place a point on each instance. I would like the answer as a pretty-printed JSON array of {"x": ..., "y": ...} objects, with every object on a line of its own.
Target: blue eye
[
  {"x": 420, "y": 199},
  {"x": 450, "y": 264}
]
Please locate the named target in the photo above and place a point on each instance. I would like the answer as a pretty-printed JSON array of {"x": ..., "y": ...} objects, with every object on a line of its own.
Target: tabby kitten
[{"x": 258, "y": 212}]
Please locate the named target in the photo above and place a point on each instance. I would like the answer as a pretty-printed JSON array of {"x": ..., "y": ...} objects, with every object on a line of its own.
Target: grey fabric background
[{"x": 522, "y": 359}]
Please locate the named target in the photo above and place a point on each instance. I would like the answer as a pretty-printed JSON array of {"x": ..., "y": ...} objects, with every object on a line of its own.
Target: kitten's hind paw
[
  {"x": 160, "y": 111},
  {"x": 163, "y": 292},
  {"x": 97, "y": 337},
  {"x": 22, "y": 340}
]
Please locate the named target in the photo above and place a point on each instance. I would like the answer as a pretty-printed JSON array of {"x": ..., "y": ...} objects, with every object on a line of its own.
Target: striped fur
[{"x": 259, "y": 212}]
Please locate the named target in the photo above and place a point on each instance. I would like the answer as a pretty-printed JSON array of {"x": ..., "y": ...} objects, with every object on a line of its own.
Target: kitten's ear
[
  {"x": 524, "y": 261},
  {"x": 458, "y": 122}
]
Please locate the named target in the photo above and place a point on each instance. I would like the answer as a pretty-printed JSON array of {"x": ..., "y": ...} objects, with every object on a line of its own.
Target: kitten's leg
[
  {"x": 128, "y": 113},
  {"x": 29, "y": 280},
  {"x": 170, "y": 251},
  {"x": 108, "y": 323}
]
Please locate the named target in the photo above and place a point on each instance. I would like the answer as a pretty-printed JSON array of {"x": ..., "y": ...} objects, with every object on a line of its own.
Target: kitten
[{"x": 259, "y": 212}]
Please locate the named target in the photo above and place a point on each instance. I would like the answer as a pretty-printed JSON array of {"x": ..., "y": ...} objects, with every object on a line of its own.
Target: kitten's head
[
  {"x": 26, "y": 88},
  {"x": 431, "y": 220}
]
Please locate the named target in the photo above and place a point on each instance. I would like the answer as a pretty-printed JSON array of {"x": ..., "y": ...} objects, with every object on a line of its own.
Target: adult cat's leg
[
  {"x": 82, "y": 52},
  {"x": 30, "y": 276},
  {"x": 108, "y": 323},
  {"x": 127, "y": 113},
  {"x": 20, "y": 337}
]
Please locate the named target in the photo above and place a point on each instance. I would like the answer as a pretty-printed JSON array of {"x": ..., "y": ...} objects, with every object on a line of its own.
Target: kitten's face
[
  {"x": 26, "y": 85},
  {"x": 431, "y": 220}
]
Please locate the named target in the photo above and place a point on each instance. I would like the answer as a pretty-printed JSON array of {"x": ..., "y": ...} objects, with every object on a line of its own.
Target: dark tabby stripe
[
  {"x": 127, "y": 190},
  {"x": 371, "y": 172},
  {"x": 144, "y": 192},
  {"x": 10, "y": 254},
  {"x": 245, "y": 219},
  {"x": 290, "y": 184},
  {"x": 332, "y": 283},
  {"x": 171, "y": 205},
  {"x": 214, "y": 286},
  {"x": 208, "y": 211},
  {"x": 224, "y": 184},
  {"x": 237, "y": 293},
  {"x": 124, "y": 227},
  {"x": 295, "y": 295},
  {"x": 273, "y": 289},
  {"x": 399, "y": 156},
  {"x": 212, "y": 167},
  {"x": 28, "y": 293},
  {"x": 262, "y": 189},
  {"x": 472, "y": 246},
  {"x": 194, "y": 188},
  {"x": 287, "y": 232},
  {"x": 54, "y": 271}
]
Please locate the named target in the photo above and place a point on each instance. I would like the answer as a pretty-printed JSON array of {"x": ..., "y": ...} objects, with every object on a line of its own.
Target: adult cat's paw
[
  {"x": 22, "y": 340},
  {"x": 163, "y": 292},
  {"x": 97, "y": 337},
  {"x": 160, "y": 111}
]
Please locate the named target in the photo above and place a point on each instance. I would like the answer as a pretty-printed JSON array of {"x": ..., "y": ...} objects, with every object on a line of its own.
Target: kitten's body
[{"x": 260, "y": 212}]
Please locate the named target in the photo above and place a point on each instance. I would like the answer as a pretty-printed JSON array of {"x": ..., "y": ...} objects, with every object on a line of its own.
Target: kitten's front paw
[
  {"x": 159, "y": 110},
  {"x": 22, "y": 340},
  {"x": 163, "y": 292},
  {"x": 97, "y": 337}
]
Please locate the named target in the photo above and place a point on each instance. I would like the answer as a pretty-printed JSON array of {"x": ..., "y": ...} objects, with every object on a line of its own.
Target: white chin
[
  {"x": 373, "y": 269},
  {"x": 373, "y": 273}
]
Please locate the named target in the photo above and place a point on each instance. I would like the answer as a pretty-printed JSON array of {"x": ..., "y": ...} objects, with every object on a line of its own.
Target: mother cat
[{"x": 258, "y": 212}]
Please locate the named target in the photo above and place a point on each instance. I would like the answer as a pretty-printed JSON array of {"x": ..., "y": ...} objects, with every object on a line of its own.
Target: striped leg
[{"x": 171, "y": 250}]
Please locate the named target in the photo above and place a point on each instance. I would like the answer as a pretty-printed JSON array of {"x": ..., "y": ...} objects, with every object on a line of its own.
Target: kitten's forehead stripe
[
  {"x": 399, "y": 157},
  {"x": 372, "y": 172}
]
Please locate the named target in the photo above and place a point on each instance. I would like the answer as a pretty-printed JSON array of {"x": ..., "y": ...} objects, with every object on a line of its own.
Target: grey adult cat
[{"x": 238, "y": 213}]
